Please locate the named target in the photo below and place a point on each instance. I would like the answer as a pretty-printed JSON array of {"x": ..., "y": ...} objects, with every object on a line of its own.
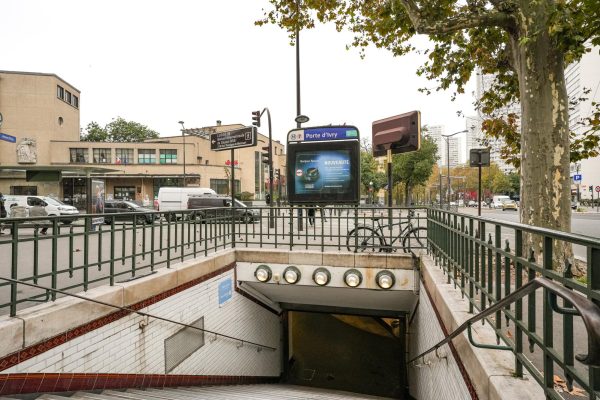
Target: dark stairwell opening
[{"x": 361, "y": 354}]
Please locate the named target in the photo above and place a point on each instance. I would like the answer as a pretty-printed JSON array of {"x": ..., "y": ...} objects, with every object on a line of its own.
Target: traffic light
[
  {"x": 266, "y": 156},
  {"x": 256, "y": 118},
  {"x": 591, "y": 188}
]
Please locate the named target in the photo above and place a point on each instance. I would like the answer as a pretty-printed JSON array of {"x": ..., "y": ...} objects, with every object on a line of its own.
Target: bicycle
[{"x": 365, "y": 238}]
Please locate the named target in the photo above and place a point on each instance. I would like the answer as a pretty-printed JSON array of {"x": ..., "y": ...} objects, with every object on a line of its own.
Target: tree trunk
[
  {"x": 407, "y": 195},
  {"x": 545, "y": 188}
]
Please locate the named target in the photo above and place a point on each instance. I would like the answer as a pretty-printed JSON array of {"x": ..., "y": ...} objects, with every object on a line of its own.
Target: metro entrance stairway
[{"x": 246, "y": 392}]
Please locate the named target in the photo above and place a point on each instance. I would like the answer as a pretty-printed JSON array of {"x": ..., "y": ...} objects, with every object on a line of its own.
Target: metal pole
[
  {"x": 183, "y": 137},
  {"x": 448, "y": 161},
  {"x": 298, "y": 108},
  {"x": 389, "y": 182},
  {"x": 232, "y": 199},
  {"x": 441, "y": 194},
  {"x": 479, "y": 194},
  {"x": 271, "y": 219}
]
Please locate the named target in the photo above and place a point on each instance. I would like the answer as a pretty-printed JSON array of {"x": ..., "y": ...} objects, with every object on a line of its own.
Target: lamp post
[
  {"x": 447, "y": 138},
  {"x": 299, "y": 120},
  {"x": 183, "y": 137}
]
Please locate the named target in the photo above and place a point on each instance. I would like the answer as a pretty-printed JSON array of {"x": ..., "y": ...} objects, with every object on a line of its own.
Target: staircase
[{"x": 242, "y": 392}]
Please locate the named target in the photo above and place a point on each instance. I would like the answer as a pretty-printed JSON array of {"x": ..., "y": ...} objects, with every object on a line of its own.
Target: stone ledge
[
  {"x": 491, "y": 371},
  {"x": 11, "y": 332}
]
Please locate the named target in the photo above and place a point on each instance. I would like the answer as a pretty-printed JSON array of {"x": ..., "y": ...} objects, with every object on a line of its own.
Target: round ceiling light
[
  {"x": 353, "y": 277},
  {"x": 385, "y": 279},
  {"x": 291, "y": 275},
  {"x": 321, "y": 276},
  {"x": 263, "y": 273}
]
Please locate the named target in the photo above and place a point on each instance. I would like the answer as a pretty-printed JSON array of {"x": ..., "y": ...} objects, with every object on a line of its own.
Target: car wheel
[
  {"x": 66, "y": 222},
  {"x": 107, "y": 221},
  {"x": 140, "y": 220},
  {"x": 247, "y": 218}
]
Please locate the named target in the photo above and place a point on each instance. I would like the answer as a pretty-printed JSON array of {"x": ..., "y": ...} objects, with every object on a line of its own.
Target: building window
[
  {"x": 79, "y": 155},
  {"x": 221, "y": 186},
  {"x": 60, "y": 92},
  {"x": 102, "y": 156},
  {"x": 146, "y": 156},
  {"x": 75, "y": 102},
  {"x": 168, "y": 156},
  {"x": 124, "y": 156},
  {"x": 68, "y": 97},
  {"x": 23, "y": 191}
]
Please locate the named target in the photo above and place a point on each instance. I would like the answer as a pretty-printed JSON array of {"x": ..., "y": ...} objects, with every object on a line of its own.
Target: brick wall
[
  {"x": 434, "y": 377},
  {"x": 123, "y": 347}
]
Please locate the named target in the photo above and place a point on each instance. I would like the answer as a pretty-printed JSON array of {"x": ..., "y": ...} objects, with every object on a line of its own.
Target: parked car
[
  {"x": 213, "y": 206},
  {"x": 176, "y": 198},
  {"x": 472, "y": 203},
  {"x": 52, "y": 206},
  {"x": 498, "y": 200},
  {"x": 509, "y": 205},
  {"x": 129, "y": 211}
]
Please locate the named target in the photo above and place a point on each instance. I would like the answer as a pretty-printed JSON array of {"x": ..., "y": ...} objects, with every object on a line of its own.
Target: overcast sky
[{"x": 159, "y": 62}]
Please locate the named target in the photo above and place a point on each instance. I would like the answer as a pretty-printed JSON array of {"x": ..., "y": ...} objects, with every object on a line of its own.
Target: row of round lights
[{"x": 353, "y": 277}]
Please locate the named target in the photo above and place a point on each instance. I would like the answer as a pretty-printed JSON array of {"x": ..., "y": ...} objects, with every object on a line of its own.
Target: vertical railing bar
[
  {"x": 498, "y": 283},
  {"x": 519, "y": 303},
  {"x": 548, "y": 338},
  {"x": 86, "y": 253},
  {"x": 14, "y": 270}
]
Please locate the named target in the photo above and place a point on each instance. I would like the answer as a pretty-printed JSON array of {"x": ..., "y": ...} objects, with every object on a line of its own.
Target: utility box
[{"x": 400, "y": 134}]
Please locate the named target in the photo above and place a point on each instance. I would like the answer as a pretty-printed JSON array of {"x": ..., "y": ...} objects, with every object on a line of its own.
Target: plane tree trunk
[{"x": 545, "y": 158}]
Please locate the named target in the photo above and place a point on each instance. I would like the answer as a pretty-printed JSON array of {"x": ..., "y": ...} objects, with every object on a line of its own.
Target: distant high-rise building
[
  {"x": 453, "y": 147},
  {"x": 474, "y": 135},
  {"x": 578, "y": 77},
  {"x": 435, "y": 132},
  {"x": 484, "y": 82}
]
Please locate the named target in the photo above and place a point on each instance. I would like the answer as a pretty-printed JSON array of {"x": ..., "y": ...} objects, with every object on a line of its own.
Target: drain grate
[{"x": 183, "y": 344}]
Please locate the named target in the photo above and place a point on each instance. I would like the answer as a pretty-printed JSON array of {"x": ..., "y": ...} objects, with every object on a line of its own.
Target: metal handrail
[
  {"x": 589, "y": 312},
  {"x": 131, "y": 310}
]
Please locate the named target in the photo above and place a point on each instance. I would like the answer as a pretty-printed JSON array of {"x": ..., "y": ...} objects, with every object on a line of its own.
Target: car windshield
[
  {"x": 131, "y": 204},
  {"x": 53, "y": 202},
  {"x": 239, "y": 203}
]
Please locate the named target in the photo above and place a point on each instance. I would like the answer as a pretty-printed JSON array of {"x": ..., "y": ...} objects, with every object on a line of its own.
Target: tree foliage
[
  {"x": 118, "y": 130},
  {"x": 370, "y": 176},
  {"x": 414, "y": 168}
]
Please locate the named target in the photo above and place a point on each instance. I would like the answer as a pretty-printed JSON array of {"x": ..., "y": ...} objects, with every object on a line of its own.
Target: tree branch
[{"x": 453, "y": 24}]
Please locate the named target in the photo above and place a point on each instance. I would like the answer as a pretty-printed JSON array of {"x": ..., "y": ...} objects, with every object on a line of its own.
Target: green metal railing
[
  {"x": 487, "y": 261},
  {"x": 88, "y": 253}
]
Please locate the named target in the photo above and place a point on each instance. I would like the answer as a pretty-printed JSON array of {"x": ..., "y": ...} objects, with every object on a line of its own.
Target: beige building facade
[{"x": 41, "y": 111}]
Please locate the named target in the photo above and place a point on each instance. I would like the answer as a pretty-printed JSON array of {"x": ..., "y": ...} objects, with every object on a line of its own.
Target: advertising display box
[{"x": 324, "y": 165}]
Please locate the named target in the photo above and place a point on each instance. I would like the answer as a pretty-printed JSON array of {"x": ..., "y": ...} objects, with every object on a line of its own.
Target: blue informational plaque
[{"x": 225, "y": 290}]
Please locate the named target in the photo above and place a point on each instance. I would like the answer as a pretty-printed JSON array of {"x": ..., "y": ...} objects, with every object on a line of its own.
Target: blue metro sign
[{"x": 8, "y": 138}]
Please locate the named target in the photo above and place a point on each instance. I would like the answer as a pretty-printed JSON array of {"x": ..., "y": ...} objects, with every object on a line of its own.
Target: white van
[
  {"x": 498, "y": 200},
  {"x": 53, "y": 207},
  {"x": 176, "y": 198}
]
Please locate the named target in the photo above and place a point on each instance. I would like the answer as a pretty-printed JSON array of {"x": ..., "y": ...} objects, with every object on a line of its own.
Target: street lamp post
[
  {"x": 447, "y": 138},
  {"x": 183, "y": 136}
]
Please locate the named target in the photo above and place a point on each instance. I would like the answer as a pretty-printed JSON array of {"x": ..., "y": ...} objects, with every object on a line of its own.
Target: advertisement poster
[
  {"x": 323, "y": 172},
  {"x": 97, "y": 196}
]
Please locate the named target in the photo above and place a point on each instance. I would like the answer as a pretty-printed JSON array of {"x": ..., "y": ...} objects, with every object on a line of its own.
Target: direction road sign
[
  {"x": 577, "y": 178},
  {"x": 8, "y": 138},
  {"x": 235, "y": 139}
]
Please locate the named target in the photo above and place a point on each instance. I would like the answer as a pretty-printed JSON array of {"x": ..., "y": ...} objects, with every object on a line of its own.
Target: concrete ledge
[
  {"x": 262, "y": 255},
  {"x": 192, "y": 269},
  {"x": 11, "y": 334},
  {"x": 338, "y": 259},
  {"x": 306, "y": 257},
  {"x": 50, "y": 319},
  {"x": 491, "y": 371},
  {"x": 148, "y": 286}
]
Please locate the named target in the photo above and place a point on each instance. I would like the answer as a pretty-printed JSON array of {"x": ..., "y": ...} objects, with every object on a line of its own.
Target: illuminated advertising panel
[{"x": 323, "y": 165}]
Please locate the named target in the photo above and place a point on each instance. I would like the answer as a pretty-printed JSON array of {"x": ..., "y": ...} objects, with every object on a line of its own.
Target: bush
[{"x": 244, "y": 196}]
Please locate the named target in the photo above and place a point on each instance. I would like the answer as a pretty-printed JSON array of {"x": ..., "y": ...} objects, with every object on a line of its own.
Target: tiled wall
[
  {"x": 434, "y": 377},
  {"x": 122, "y": 347}
]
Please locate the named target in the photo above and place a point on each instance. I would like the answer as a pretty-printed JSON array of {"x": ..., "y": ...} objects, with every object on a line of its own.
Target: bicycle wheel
[
  {"x": 415, "y": 239},
  {"x": 363, "y": 240}
]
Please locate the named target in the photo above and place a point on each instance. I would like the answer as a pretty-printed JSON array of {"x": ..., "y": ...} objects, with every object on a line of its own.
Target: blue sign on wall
[
  {"x": 8, "y": 138},
  {"x": 225, "y": 290}
]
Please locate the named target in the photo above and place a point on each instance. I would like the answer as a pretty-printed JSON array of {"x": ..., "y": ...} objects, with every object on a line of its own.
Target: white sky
[{"x": 199, "y": 61}]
